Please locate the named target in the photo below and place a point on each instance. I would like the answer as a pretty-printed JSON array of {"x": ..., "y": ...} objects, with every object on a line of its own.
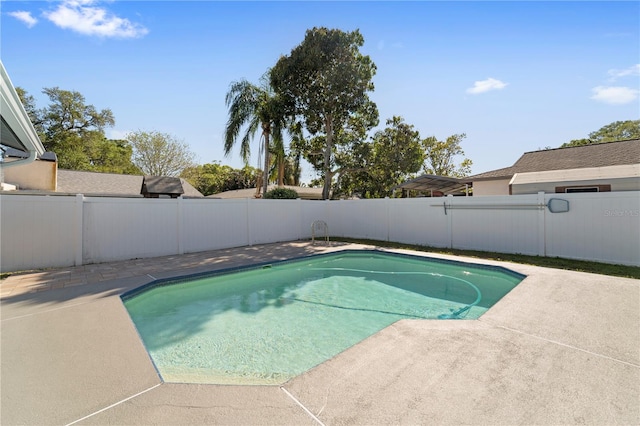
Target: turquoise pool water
[{"x": 268, "y": 324}]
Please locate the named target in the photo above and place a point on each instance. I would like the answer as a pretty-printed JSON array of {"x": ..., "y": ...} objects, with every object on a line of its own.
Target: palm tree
[
  {"x": 296, "y": 147},
  {"x": 256, "y": 107},
  {"x": 279, "y": 159}
]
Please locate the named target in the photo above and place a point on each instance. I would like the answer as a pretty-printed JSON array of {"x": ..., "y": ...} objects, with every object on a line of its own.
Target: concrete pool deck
[{"x": 561, "y": 348}]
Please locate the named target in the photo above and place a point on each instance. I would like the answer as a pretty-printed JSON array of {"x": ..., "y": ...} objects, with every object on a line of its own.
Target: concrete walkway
[{"x": 561, "y": 348}]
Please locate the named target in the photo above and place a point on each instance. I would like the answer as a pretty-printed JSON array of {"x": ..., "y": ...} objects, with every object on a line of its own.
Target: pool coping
[
  {"x": 560, "y": 367},
  {"x": 181, "y": 278}
]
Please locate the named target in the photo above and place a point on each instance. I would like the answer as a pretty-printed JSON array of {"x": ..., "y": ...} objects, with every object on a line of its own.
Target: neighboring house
[
  {"x": 162, "y": 187},
  {"x": 26, "y": 167},
  {"x": 39, "y": 177},
  {"x": 603, "y": 167},
  {"x": 115, "y": 185}
]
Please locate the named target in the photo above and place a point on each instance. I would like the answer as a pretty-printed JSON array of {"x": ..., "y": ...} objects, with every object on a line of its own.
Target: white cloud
[
  {"x": 486, "y": 86},
  {"x": 631, "y": 71},
  {"x": 85, "y": 18},
  {"x": 615, "y": 95},
  {"x": 25, "y": 17}
]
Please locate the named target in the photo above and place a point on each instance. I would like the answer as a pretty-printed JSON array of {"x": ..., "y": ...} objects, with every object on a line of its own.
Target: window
[{"x": 583, "y": 188}]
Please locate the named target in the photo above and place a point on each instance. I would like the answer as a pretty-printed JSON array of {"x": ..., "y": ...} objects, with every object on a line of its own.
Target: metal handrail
[{"x": 319, "y": 225}]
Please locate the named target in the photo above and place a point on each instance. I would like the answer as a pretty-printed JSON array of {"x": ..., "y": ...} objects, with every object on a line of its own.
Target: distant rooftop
[
  {"x": 574, "y": 157},
  {"x": 154, "y": 186},
  {"x": 110, "y": 184}
]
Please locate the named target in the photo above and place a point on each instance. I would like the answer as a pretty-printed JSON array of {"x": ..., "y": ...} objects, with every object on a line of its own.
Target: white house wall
[
  {"x": 58, "y": 231},
  {"x": 617, "y": 184},
  {"x": 491, "y": 187},
  {"x": 38, "y": 175}
]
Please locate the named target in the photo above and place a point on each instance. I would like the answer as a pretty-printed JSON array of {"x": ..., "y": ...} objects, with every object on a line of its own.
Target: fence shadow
[{"x": 61, "y": 285}]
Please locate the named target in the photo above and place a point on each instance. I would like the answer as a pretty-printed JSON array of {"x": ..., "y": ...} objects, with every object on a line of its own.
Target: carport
[{"x": 436, "y": 186}]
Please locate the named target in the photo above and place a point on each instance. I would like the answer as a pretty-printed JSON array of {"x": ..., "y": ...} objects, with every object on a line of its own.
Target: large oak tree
[
  {"x": 324, "y": 81},
  {"x": 74, "y": 131}
]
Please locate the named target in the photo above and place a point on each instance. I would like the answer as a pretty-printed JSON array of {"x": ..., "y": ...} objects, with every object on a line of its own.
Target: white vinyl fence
[{"x": 57, "y": 231}]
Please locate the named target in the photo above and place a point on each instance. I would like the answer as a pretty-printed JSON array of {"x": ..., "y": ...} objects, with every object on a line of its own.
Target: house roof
[
  {"x": 16, "y": 129},
  {"x": 109, "y": 184},
  {"x": 162, "y": 185},
  {"x": 575, "y": 157},
  {"x": 16, "y": 153}
]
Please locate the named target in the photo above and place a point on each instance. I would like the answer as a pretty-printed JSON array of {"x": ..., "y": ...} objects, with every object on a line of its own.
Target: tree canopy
[
  {"x": 281, "y": 194},
  {"x": 440, "y": 156},
  {"x": 616, "y": 131},
  {"x": 74, "y": 131},
  {"x": 213, "y": 178},
  {"x": 324, "y": 81},
  {"x": 159, "y": 154},
  {"x": 395, "y": 154}
]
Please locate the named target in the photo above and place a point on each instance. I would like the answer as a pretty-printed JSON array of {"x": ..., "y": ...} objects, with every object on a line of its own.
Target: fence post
[
  {"x": 542, "y": 233},
  {"x": 79, "y": 229},
  {"x": 448, "y": 200},
  {"x": 299, "y": 203},
  {"x": 388, "y": 207},
  {"x": 249, "y": 239}
]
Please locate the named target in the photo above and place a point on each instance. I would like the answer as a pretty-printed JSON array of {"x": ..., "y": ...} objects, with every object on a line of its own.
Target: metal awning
[{"x": 430, "y": 183}]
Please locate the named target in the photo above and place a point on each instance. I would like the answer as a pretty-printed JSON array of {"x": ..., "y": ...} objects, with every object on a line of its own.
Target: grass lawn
[{"x": 547, "y": 262}]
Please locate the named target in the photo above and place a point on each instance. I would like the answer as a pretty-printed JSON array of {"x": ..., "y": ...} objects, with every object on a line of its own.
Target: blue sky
[{"x": 514, "y": 76}]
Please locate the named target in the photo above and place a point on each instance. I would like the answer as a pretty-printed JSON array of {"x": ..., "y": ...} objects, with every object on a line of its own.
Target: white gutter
[{"x": 16, "y": 117}]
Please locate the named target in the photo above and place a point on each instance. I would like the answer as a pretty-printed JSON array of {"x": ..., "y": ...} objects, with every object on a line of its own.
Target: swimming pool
[{"x": 268, "y": 323}]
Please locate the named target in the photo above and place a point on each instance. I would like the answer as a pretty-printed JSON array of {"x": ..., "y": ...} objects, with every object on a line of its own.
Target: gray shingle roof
[
  {"x": 575, "y": 157},
  {"x": 92, "y": 183}
]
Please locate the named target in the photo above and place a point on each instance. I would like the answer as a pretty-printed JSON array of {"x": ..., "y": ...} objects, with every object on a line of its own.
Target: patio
[{"x": 561, "y": 348}]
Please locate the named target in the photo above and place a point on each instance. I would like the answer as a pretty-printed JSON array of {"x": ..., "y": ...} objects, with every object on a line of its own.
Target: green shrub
[{"x": 281, "y": 194}]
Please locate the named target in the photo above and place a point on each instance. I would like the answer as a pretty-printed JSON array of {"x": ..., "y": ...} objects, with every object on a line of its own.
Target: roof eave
[{"x": 24, "y": 135}]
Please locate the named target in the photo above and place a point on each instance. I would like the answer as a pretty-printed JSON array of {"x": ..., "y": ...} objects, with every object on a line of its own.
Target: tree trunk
[
  {"x": 265, "y": 182},
  {"x": 281, "y": 172},
  {"x": 327, "y": 159}
]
